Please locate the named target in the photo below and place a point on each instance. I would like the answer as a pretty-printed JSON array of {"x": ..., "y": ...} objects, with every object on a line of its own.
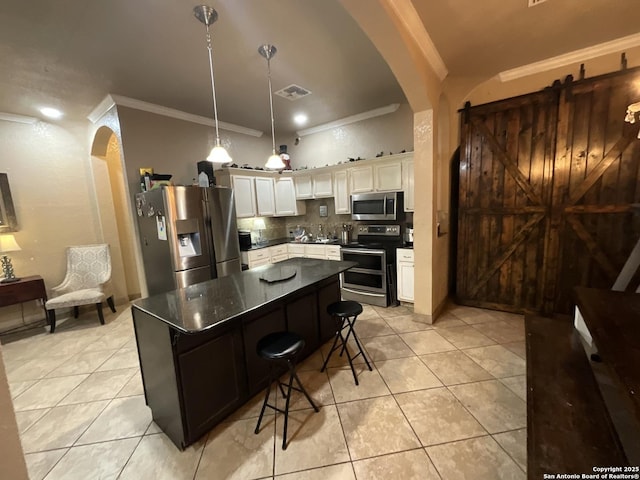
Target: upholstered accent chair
[{"x": 88, "y": 281}]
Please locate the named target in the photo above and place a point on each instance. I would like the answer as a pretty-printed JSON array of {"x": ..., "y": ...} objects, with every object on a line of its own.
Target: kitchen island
[{"x": 197, "y": 346}]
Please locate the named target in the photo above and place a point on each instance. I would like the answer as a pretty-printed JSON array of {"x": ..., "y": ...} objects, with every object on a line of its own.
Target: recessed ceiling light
[
  {"x": 300, "y": 119},
  {"x": 51, "y": 112}
]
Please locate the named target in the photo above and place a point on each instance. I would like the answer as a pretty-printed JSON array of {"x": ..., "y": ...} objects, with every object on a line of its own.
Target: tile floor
[{"x": 444, "y": 401}]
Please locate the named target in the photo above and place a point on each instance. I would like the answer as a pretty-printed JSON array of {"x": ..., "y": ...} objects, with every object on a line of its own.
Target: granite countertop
[
  {"x": 280, "y": 241},
  {"x": 205, "y": 305}
]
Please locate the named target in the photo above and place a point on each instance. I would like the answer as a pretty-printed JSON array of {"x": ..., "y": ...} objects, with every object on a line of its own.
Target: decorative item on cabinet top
[{"x": 8, "y": 221}]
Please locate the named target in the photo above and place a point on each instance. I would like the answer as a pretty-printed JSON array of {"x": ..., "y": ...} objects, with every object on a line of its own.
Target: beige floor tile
[
  {"x": 386, "y": 348},
  {"x": 495, "y": 406},
  {"x": 438, "y": 417},
  {"x": 368, "y": 311},
  {"x": 312, "y": 362},
  {"x": 99, "y": 386},
  {"x": 497, "y": 360},
  {"x": 410, "y": 465},
  {"x": 80, "y": 462},
  {"x": 40, "y": 463},
  {"x": 515, "y": 444},
  {"x": 372, "y": 327},
  {"x": 429, "y": 341},
  {"x": 375, "y": 427},
  {"x": 157, "y": 458},
  {"x": 519, "y": 348},
  {"x": 476, "y": 458},
  {"x": 251, "y": 409},
  {"x": 345, "y": 389},
  {"x": 465, "y": 337},
  {"x": 517, "y": 385},
  {"x": 70, "y": 344},
  {"x": 123, "y": 418},
  {"x": 47, "y": 392},
  {"x": 315, "y": 383},
  {"x": 17, "y": 388},
  {"x": 61, "y": 426},
  {"x": 36, "y": 368},
  {"x": 83, "y": 362},
  {"x": 109, "y": 341},
  {"x": 409, "y": 323},
  {"x": 133, "y": 387},
  {"x": 502, "y": 332},
  {"x": 314, "y": 440},
  {"x": 122, "y": 359},
  {"x": 407, "y": 374},
  {"x": 342, "y": 471},
  {"x": 154, "y": 428},
  {"x": 234, "y": 452},
  {"x": 387, "y": 312},
  {"x": 447, "y": 320},
  {"x": 29, "y": 417},
  {"x": 341, "y": 361},
  {"x": 455, "y": 367},
  {"x": 472, "y": 315}
]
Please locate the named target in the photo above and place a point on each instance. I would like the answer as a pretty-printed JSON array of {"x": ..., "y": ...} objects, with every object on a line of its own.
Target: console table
[{"x": 23, "y": 290}]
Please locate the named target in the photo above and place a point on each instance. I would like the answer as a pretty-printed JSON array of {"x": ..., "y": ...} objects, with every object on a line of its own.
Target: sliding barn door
[
  {"x": 506, "y": 161},
  {"x": 546, "y": 185}
]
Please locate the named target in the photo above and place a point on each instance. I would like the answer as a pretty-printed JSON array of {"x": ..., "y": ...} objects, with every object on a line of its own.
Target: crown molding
[
  {"x": 15, "y": 118},
  {"x": 570, "y": 58},
  {"x": 377, "y": 112},
  {"x": 110, "y": 100}
]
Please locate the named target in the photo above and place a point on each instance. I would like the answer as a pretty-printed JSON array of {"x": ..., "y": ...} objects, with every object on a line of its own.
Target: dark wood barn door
[{"x": 546, "y": 183}]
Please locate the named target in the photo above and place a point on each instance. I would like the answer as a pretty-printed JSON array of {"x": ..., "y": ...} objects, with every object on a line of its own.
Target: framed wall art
[{"x": 8, "y": 221}]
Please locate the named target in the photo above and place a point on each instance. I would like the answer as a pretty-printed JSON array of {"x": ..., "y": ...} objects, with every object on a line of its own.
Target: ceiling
[{"x": 71, "y": 53}]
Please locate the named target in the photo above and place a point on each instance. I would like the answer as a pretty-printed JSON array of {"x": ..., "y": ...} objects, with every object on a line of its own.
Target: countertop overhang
[{"x": 206, "y": 305}]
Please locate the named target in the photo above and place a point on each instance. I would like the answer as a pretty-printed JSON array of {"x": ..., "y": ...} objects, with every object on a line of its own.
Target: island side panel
[
  {"x": 328, "y": 293},
  {"x": 155, "y": 352},
  {"x": 302, "y": 318}
]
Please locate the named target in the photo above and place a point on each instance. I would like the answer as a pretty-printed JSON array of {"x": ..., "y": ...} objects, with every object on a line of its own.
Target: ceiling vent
[
  {"x": 533, "y": 3},
  {"x": 293, "y": 92}
]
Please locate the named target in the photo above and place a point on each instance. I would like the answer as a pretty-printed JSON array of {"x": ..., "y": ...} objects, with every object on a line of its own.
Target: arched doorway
[{"x": 114, "y": 213}]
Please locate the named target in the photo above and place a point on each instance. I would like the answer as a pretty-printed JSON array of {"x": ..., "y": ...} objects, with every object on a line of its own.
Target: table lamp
[
  {"x": 259, "y": 225},
  {"x": 8, "y": 244}
]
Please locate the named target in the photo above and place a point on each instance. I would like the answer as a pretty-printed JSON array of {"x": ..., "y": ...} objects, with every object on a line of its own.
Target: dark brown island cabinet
[{"x": 197, "y": 346}]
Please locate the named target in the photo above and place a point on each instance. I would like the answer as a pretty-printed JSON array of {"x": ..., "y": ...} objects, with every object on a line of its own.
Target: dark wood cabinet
[
  {"x": 302, "y": 318},
  {"x": 23, "y": 290},
  {"x": 328, "y": 293}
]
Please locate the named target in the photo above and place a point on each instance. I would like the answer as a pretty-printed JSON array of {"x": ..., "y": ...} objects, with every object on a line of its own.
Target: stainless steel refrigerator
[{"x": 187, "y": 235}]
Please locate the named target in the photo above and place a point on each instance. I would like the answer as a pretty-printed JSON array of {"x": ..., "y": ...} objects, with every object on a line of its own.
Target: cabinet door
[
  {"x": 322, "y": 186},
  {"x": 207, "y": 402},
  {"x": 285, "y": 197},
  {"x": 304, "y": 187},
  {"x": 265, "y": 197},
  {"x": 405, "y": 281},
  {"x": 361, "y": 179},
  {"x": 279, "y": 258},
  {"x": 408, "y": 186},
  {"x": 245, "y": 196},
  {"x": 302, "y": 318},
  {"x": 341, "y": 192},
  {"x": 388, "y": 177}
]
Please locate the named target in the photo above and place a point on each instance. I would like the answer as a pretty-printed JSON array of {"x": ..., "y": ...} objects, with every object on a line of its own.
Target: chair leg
[
  {"x": 292, "y": 374},
  {"x": 76, "y": 311},
  {"x": 51, "y": 314},
  {"x": 333, "y": 346},
  {"x": 100, "y": 316},
  {"x": 111, "y": 304},
  {"x": 264, "y": 405}
]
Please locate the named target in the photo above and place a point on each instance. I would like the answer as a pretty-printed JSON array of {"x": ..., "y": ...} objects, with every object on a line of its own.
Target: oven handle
[
  {"x": 364, "y": 251},
  {"x": 360, "y": 292},
  {"x": 385, "y": 205}
]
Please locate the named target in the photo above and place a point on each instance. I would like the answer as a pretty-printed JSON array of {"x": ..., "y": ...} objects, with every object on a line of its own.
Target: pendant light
[
  {"x": 208, "y": 16},
  {"x": 274, "y": 162}
]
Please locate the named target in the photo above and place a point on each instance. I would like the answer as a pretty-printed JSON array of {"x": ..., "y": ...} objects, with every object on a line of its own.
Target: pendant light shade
[
  {"x": 274, "y": 162},
  {"x": 208, "y": 16}
]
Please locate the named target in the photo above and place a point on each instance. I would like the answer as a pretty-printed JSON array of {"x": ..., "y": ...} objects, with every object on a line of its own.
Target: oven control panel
[{"x": 386, "y": 230}]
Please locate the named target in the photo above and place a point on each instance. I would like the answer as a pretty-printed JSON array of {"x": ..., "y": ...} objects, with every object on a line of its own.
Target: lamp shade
[
  {"x": 8, "y": 244},
  {"x": 259, "y": 224},
  {"x": 274, "y": 163},
  {"x": 219, "y": 155}
]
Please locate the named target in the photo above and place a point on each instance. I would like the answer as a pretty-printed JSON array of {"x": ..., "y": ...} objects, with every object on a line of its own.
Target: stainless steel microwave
[{"x": 377, "y": 206}]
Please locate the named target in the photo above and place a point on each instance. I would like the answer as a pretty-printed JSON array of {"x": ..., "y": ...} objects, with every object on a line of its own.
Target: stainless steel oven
[
  {"x": 372, "y": 280},
  {"x": 377, "y": 206}
]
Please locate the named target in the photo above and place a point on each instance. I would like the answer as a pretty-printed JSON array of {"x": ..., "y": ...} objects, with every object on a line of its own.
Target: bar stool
[
  {"x": 346, "y": 313},
  {"x": 279, "y": 347}
]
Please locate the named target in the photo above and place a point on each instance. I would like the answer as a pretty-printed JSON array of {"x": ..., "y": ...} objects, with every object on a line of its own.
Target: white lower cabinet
[
  {"x": 295, "y": 250},
  {"x": 333, "y": 252},
  {"x": 256, "y": 258},
  {"x": 405, "y": 271},
  {"x": 278, "y": 253}
]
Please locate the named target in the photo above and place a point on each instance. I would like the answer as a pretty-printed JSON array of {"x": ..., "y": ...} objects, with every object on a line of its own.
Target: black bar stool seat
[
  {"x": 346, "y": 312},
  {"x": 283, "y": 347}
]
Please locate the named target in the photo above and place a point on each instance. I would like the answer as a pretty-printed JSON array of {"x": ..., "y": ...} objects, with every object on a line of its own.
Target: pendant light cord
[
  {"x": 213, "y": 88},
  {"x": 273, "y": 134}
]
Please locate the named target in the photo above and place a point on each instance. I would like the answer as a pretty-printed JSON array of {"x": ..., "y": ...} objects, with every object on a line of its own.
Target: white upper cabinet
[
  {"x": 304, "y": 187},
  {"x": 361, "y": 179},
  {"x": 388, "y": 176},
  {"x": 245, "y": 196},
  {"x": 322, "y": 185},
  {"x": 342, "y": 197},
  {"x": 408, "y": 185},
  {"x": 265, "y": 197},
  {"x": 285, "y": 198}
]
